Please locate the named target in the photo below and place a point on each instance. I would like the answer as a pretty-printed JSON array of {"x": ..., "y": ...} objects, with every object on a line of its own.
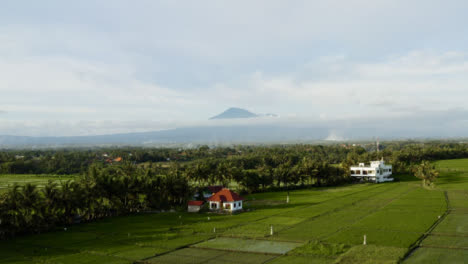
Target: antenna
[{"x": 377, "y": 144}]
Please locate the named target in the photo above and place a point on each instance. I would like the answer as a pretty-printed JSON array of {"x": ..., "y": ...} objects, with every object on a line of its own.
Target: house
[
  {"x": 194, "y": 206},
  {"x": 376, "y": 171},
  {"x": 226, "y": 200}
]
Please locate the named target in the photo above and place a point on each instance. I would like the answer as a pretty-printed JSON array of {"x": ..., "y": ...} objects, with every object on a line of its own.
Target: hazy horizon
[{"x": 355, "y": 68}]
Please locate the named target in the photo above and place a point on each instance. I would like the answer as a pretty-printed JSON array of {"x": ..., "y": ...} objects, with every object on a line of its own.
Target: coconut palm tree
[{"x": 427, "y": 172}]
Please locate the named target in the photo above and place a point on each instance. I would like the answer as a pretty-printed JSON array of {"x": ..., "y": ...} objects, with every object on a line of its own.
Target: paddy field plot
[
  {"x": 249, "y": 245},
  {"x": 192, "y": 256},
  {"x": 8, "y": 180}
]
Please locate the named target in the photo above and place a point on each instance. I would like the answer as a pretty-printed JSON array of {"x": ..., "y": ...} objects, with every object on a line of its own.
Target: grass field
[
  {"x": 8, "y": 180},
  {"x": 448, "y": 241},
  {"x": 322, "y": 225}
]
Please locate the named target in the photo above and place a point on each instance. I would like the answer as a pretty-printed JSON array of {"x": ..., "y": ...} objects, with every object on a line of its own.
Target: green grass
[
  {"x": 372, "y": 255},
  {"x": 453, "y": 174},
  {"x": 319, "y": 225},
  {"x": 249, "y": 245},
  {"x": 448, "y": 242},
  {"x": 8, "y": 180},
  {"x": 437, "y": 256},
  {"x": 316, "y": 248},
  {"x": 453, "y": 224},
  {"x": 303, "y": 260},
  {"x": 192, "y": 255}
]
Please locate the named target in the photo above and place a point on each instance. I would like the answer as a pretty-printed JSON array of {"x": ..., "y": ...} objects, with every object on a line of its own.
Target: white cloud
[
  {"x": 420, "y": 79},
  {"x": 178, "y": 64}
]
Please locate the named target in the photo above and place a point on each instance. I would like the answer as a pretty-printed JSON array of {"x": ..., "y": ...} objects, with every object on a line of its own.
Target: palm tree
[{"x": 427, "y": 172}]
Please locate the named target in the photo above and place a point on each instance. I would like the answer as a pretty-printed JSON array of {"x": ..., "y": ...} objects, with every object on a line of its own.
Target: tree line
[
  {"x": 161, "y": 179},
  {"x": 101, "y": 192}
]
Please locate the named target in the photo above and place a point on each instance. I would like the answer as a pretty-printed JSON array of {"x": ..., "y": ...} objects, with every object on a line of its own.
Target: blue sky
[{"x": 96, "y": 67}]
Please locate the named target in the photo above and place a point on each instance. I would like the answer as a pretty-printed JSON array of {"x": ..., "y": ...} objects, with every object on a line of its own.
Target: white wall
[
  {"x": 218, "y": 204},
  {"x": 193, "y": 208}
]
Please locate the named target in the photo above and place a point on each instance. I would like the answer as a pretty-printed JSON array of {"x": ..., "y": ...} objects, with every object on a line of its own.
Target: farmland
[
  {"x": 447, "y": 242},
  {"x": 319, "y": 225},
  {"x": 8, "y": 180}
]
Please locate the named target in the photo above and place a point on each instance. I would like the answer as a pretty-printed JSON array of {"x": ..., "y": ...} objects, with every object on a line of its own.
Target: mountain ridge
[{"x": 234, "y": 112}]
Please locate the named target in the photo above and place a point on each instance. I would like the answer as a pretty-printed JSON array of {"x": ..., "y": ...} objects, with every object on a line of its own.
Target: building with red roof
[
  {"x": 194, "y": 206},
  {"x": 226, "y": 200}
]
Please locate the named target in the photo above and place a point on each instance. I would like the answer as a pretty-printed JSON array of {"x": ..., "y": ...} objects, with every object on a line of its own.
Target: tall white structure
[{"x": 377, "y": 171}]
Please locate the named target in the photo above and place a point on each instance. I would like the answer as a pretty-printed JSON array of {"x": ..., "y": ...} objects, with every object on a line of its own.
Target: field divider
[
  {"x": 172, "y": 250},
  {"x": 448, "y": 235},
  {"x": 418, "y": 242},
  {"x": 264, "y": 238},
  {"x": 239, "y": 251},
  {"x": 444, "y": 247}
]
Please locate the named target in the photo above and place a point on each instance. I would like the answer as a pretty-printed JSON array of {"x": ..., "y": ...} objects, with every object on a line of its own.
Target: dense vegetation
[
  {"x": 78, "y": 161},
  {"x": 126, "y": 180}
]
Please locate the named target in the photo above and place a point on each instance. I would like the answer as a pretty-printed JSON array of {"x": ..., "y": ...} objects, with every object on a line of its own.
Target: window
[
  {"x": 235, "y": 205},
  {"x": 358, "y": 172},
  {"x": 390, "y": 170},
  {"x": 352, "y": 172}
]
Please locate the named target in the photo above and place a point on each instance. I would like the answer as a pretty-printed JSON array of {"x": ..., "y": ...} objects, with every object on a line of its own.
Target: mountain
[{"x": 235, "y": 112}]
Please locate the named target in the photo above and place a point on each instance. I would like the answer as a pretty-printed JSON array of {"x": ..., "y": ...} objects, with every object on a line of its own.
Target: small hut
[
  {"x": 194, "y": 206},
  {"x": 226, "y": 200}
]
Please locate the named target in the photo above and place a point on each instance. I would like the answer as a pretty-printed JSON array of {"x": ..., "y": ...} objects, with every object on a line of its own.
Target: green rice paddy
[
  {"x": 8, "y": 180},
  {"x": 448, "y": 241},
  {"x": 321, "y": 225}
]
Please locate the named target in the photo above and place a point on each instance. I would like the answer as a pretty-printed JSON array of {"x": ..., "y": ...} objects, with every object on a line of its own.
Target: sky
[{"x": 96, "y": 67}]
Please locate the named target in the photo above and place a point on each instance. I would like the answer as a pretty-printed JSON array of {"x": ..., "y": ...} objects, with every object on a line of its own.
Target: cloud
[
  {"x": 70, "y": 96},
  {"x": 173, "y": 64},
  {"x": 419, "y": 80}
]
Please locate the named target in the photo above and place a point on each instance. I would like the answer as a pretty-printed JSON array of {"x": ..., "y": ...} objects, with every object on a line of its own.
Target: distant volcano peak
[{"x": 235, "y": 112}]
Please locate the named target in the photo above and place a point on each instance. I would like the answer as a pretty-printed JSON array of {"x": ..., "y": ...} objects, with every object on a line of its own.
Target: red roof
[
  {"x": 225, "y": 195},
  {"x": 198, "y": 203}
]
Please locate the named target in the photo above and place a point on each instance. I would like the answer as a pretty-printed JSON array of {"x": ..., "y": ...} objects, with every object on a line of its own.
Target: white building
[
  {"x": 226, "y": 200},
  {"x": 194, "y": 206},
  {"x": 377, "y": 171}
]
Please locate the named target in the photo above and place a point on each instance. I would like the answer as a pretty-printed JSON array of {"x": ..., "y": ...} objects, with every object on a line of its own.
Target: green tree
[{"x": 427, "y": 172}]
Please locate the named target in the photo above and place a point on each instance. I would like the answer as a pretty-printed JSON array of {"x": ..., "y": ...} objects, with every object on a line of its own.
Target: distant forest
[{"x": 117, "y": 181}]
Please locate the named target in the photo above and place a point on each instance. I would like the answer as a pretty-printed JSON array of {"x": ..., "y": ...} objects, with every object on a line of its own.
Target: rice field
[
  {"x": 448, "y": 240},
  {"x": 8, "y": 180},
  {"x": 321, "y": 225}
]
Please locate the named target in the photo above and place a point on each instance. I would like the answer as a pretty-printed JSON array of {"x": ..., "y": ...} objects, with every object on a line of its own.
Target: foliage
[
  {"x": 372, "y": 254},
  {"x": 320, "y": 249},
  {"x": 100, "y": 193},
  {"x": 427, "y": 172}
]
